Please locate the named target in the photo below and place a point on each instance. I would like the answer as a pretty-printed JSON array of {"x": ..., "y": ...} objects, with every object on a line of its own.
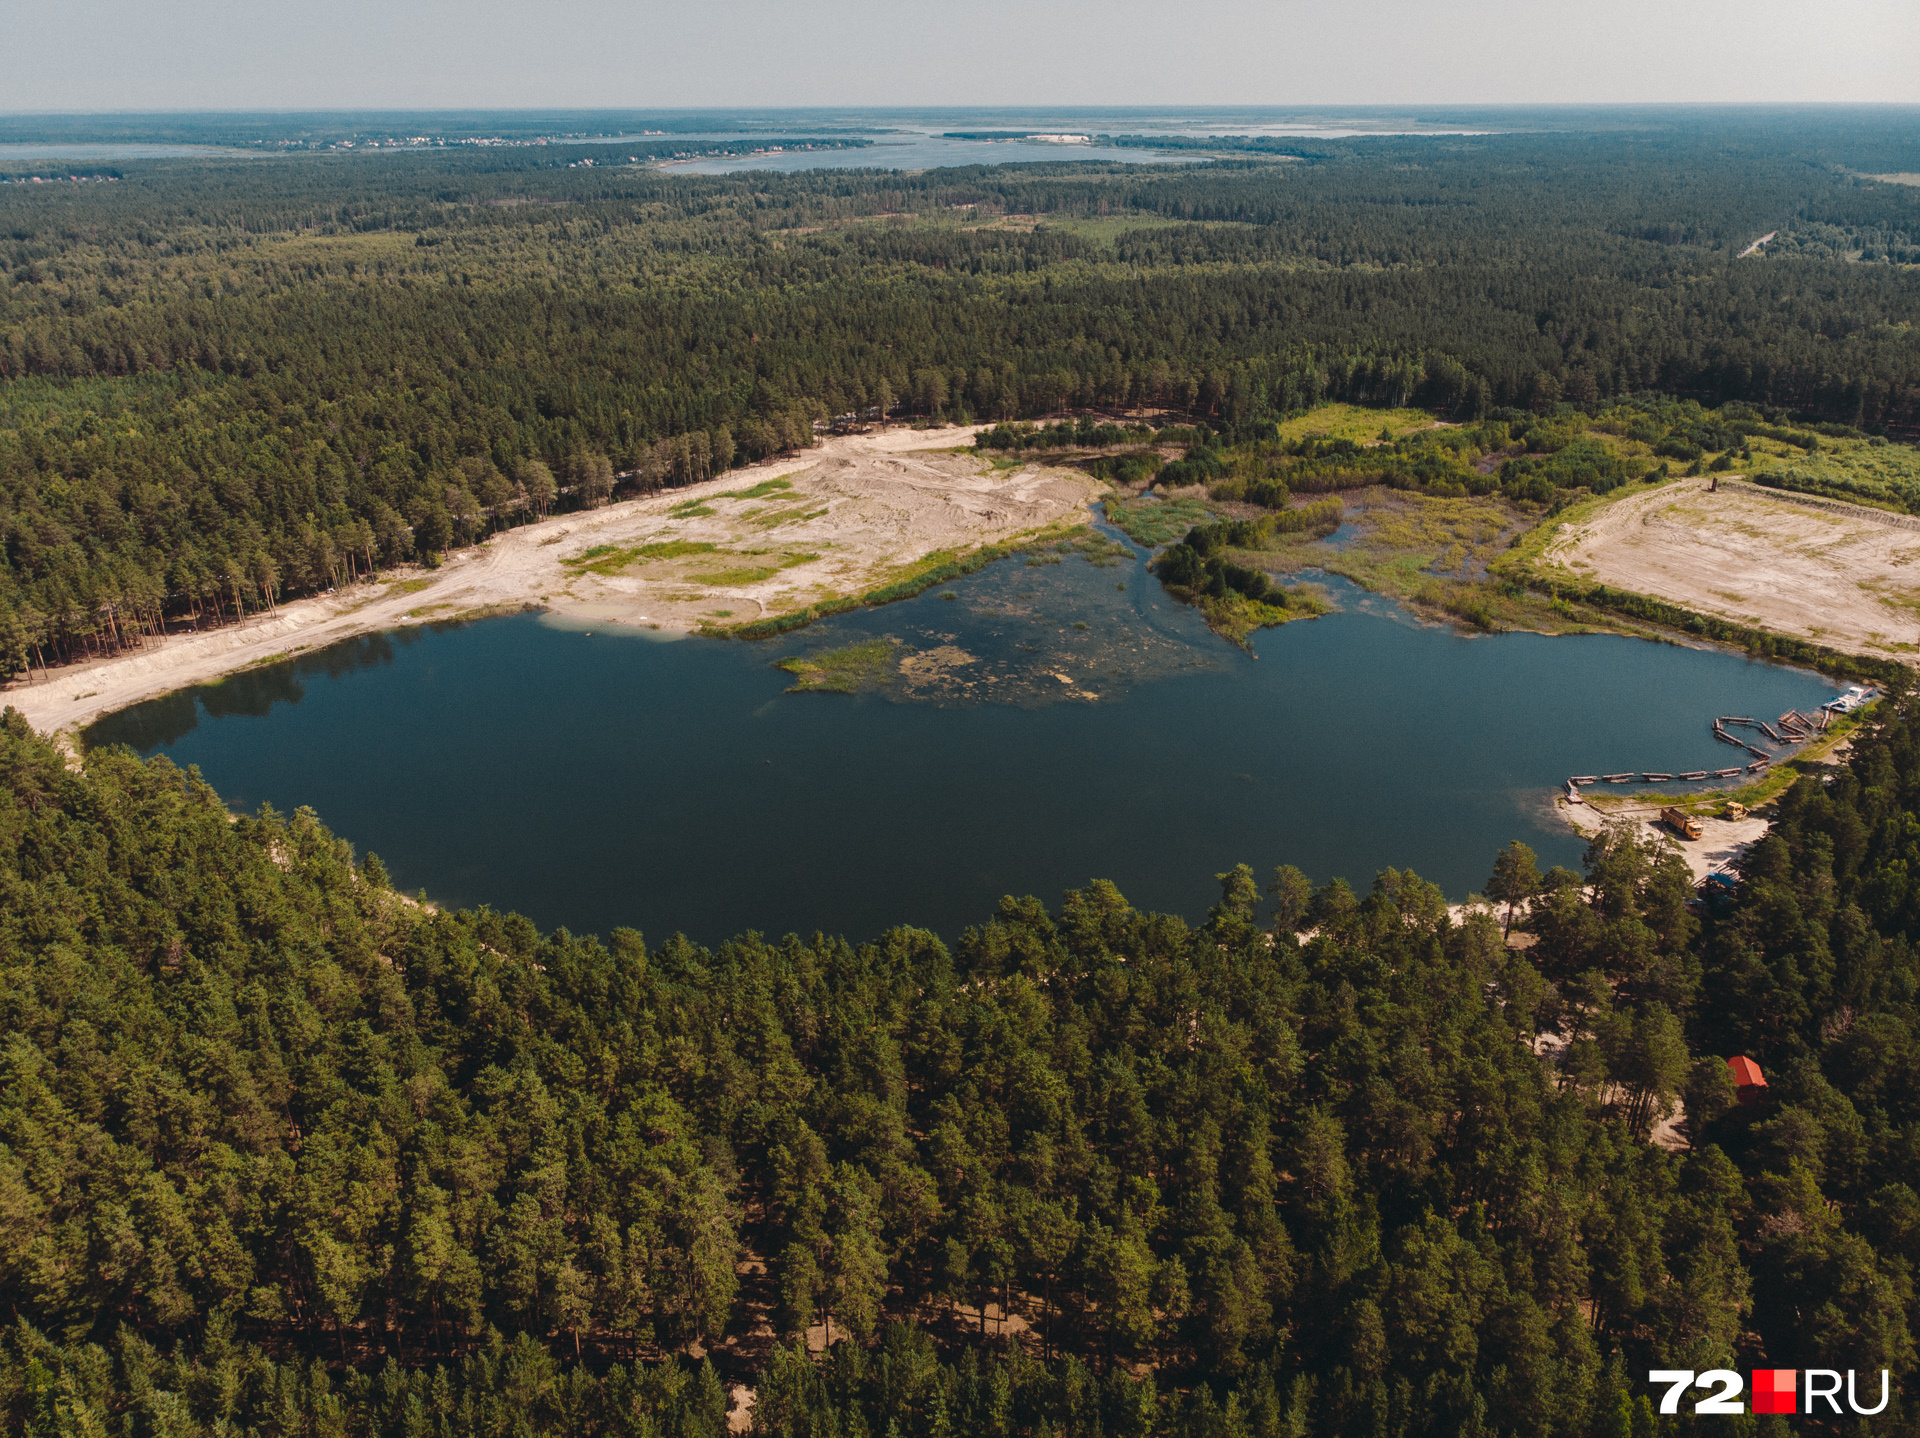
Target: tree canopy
[
  {"x": 280, "y": 1149},
  {"x": 222, "y": 383}
]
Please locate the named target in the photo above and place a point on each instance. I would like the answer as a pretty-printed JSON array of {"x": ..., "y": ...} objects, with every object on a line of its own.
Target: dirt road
[
  {"x": 1843, "y": 575},
  {"x": 841, "y": 519}
]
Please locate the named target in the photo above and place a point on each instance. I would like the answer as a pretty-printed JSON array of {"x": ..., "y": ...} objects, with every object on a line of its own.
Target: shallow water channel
[{"x": 597, "y": 779}]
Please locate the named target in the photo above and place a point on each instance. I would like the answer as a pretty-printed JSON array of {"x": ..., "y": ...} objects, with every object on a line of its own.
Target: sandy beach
[{"x": 841, "y": 519}]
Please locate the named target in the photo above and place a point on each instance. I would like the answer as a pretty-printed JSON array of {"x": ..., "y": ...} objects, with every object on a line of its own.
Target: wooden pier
[{"x": 1792, "y": 727}]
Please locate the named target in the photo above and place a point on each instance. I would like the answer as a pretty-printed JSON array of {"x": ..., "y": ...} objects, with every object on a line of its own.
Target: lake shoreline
[
  {"x": 882, "y": 507},
  {"x": 638, "y": 780}
]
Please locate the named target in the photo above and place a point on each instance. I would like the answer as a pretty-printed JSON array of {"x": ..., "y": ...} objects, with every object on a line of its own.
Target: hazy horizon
[{"x": 101, "y": 56}]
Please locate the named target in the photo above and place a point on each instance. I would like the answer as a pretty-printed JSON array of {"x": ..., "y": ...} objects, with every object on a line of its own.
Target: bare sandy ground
[
  {"x": 1721, "y": 840},
  {"x": 855, "y": 513},
  {"x": 1843, "y": 575}
]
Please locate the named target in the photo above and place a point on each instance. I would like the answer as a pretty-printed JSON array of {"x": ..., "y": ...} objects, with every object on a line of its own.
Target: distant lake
[
  {"x": 131, "y": 150},
  {"x": 903, "y": 138},
  {"x": 601, "y": 779},
  {"x": 917, "y": 139},
  {"x": 925, "y": 152}
]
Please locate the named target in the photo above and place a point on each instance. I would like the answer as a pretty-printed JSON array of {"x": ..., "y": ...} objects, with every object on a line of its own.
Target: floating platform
[
  {"x": 1656, "y": 778},
  {"x": 1692, "y": 774},
  {"x": 1584, "y": 779},
  {"x": 1758, "y": 764},
  {"x": 1619, "y": 778},
  {"x": 1734, "y": 773}
]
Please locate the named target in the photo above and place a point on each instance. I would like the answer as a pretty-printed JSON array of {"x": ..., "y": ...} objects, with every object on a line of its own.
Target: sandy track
[
  {"x": 854, "y": 513},
  {"x": 1842, "y": 576}
]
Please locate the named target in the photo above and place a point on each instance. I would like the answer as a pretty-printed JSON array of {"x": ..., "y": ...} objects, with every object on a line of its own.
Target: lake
[
  {"x": 920, "y": 139},
  {"x": 115, "y": 150},
  {"x": 1057, "y": 722}
]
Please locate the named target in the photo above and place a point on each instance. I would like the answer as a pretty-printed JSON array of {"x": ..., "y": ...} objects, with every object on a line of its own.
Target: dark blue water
[{"x": 594, "y": 781}]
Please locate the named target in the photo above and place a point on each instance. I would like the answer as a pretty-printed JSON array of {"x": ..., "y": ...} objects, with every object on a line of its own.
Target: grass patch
[
  {"x": 924, "y": 573},
  {"x": 1354, "y": 422},
  {"x": 1102, "y": 230},
  {"x": 759, "y": 491},
  {"x": 1438, "y": 556},
  {"x": 407, "y": 586},
  {"x": 773, "y": 518},
  {"x": 1152, "y": 522},
  {"x": 750, "y": 573},
  {"x": 689, "y": 509},
  {"x": 1883, "y": 476},
  {"x": 1236, "y": 617},
  {"x": 1094, "y": 547},
  {"x": 612, "y": 559},
  {"x": 736, "y": 578},
  {"x": 842, "y": 671}
]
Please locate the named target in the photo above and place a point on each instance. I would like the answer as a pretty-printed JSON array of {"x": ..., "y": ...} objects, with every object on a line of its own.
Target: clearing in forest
[{"x": 1836, "y": 574}]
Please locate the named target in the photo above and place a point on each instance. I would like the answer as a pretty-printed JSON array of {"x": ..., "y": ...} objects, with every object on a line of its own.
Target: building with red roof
[{"x": 1748, "y": 1081}]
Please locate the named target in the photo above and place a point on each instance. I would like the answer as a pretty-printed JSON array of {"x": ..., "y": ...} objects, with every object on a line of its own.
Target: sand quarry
[
  {"x": 1841, "y": 575},
  {"x": 851, "y": 516}
]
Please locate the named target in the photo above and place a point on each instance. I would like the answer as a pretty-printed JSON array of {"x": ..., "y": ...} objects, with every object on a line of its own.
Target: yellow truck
[{"x": 1681, "y": 822}]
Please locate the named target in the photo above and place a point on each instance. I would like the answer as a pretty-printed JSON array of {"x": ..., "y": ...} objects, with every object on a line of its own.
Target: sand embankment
[
  {"x": 849, "y": 517},
  {"x": 1837, "y": 574}
]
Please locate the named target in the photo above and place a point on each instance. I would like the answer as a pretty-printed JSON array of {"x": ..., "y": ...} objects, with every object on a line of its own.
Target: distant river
[{"x": 594, "y": 780}]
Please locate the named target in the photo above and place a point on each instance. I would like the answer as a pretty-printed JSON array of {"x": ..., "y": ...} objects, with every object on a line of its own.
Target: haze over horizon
[{"x": 101, "y": 55}]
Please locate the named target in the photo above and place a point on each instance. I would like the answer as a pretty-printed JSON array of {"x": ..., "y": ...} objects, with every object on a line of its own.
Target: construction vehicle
[
  {"x": 1736, "y": 810},
  {"x": 1681, "y": 822}
]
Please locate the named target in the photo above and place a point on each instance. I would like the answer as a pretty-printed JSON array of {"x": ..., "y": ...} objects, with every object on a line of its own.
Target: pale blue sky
[{"x": 253, "y": 54}]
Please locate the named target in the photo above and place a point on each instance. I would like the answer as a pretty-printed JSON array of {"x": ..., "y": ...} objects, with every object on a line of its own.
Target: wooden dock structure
[{"x": 1792, "y": 727}]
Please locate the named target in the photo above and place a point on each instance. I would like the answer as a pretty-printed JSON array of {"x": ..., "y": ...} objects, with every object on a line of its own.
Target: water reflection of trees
[
  {"x": 149, "y": 726},
  {"x": 251, "y": 694}
]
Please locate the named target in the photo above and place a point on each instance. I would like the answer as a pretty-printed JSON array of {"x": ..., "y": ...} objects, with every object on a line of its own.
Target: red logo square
[{"x": 1774, "y": 1390}]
